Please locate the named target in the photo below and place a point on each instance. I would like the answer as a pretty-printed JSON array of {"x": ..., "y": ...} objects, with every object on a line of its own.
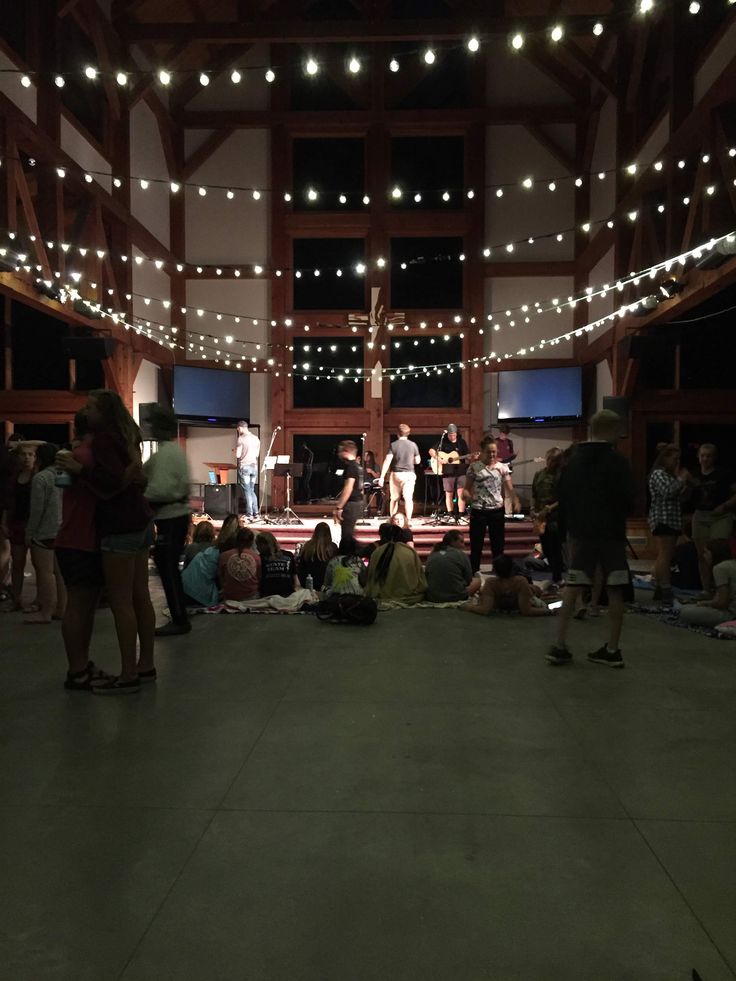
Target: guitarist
[{"x": 453, "y": 474}]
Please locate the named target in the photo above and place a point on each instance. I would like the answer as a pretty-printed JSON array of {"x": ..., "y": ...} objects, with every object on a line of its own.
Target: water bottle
[{"x": 309, "y": 583}]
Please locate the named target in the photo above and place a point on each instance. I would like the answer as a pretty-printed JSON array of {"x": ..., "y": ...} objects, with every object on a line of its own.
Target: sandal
[
  {"x": 117, "y": 687},
  {"x": 87, "y": 679}
]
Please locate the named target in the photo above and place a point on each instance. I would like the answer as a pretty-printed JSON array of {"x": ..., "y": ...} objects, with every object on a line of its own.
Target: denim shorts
[{"x": 128, "y": 541}]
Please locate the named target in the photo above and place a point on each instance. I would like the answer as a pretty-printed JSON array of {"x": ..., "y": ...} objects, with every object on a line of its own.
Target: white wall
[
  {"x": 513, "y": 80},
  {"x": 231, "y": 231},
  {"x": 10, "y": 86},
  {"x": 150, "y": 207},
  {"x": 508, "y": 293},
  {"x": 603, "y": 383},
  {"x": 211, "y": 445},
  {"x": 145, "y": 387},
  {"x": 79, "y": 149},
  {"x": 603, "y": 192}
]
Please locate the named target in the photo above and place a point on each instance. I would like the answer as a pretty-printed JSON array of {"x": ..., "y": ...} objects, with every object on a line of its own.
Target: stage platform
[{"x": 520, "y": 536}]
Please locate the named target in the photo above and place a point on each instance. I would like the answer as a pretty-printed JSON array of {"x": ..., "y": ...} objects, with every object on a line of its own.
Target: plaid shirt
[{"x": 665, "y": 491}]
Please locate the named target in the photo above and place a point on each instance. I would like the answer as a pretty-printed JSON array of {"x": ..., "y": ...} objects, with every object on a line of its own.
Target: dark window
[
  {"x": 83, "y": 97},
  {"x": 331, "y": 10},
  {"x": 328, "y": 291},
  {"x": 414, "y": 9},
  {"x": 656, "y": 351},
  {"x": 38, "y": 359},
  {"x": 50, "y": 432},
  {"x": 433, "y": 277},
  {"x": 13, "y": 28},
  {"x": 331, "y": 167},
  {"x": 319, "y": 479},
  {"x": 325, "y": 369},
  {"x": 430, "y": 165},
  {"x": 420, "y": 390},
  {"x": 708, "y": 348}
]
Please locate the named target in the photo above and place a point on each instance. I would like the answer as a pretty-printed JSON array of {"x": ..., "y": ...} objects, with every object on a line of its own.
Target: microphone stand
[
  {"x": 435, "y": 518},
  {"x": 264, "y": 518},
  {"x": 364, "y": 520}
]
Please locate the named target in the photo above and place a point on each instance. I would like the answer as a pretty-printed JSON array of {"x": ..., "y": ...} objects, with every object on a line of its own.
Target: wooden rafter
[
  {"x": 576, "y": 88},
  {"x": 591, "y": 66},
  {"x": 29, "y": 211},
  {"x": 552, "y": 147},
  {"x": 637, "y": 68},
  {"x": 200, "y": 156}
]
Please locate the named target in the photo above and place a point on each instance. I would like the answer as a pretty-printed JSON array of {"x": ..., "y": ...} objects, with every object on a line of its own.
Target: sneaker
[
  {"x": 559, "y": 655},
  {"x": 171, "y": 629},
  {"x": 118, "y": 687},
  {"x": 604, "y": 656}
]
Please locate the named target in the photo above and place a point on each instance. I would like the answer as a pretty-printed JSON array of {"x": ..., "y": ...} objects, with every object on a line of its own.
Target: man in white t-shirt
[
  {"x": 487, "y": 483},
  {"x": 247, "y": 451}
]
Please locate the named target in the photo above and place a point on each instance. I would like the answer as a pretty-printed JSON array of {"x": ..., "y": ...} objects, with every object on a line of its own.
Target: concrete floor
[{"x": 421, "y": 800}]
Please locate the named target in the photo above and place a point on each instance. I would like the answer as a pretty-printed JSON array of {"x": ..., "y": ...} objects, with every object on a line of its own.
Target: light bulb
[
  {"x": 90, "y": 72},
  {"x": 311, "y": 67},
  {"x": 25, "y": 82},
  {"x": 229, "y": 195},
  {"x": 174, "y": 187},
  {"x": 256, "y": 194},
  {"x": 380, "y": 262},
  {"x": 429, "y": 56},
  {"x": 144, "y": 184},
  {"x": 499, "y": 192},
  {"x": 517, "y": 42},
  {"x": 645, "y": 6},
  {"x": 164, "y": 77},
  {"x": 312, "y": 194},
  {"x": 270, "y": 76},
  {"x": 59, "y": 82},
  {"x": 470, "y": 194},
  {"x": 396, "y": 193},
  {"x": 121, "y": 78},
  {"x": 202, "y": 192},
  {"x": 366, "y": 199},
  {"x": 446, "y": 196},
  {"x": 598, "y": 29},
  {"x": 527, "y": 183},
  {"x": 360, "y": 268},
  {"x": 354, "y": 66},
  {"x": 556, "y": 34},
  {"x": 204, "y": 79},
  {"x": 342, "y": 199},
  {"x": 473, "y": 44},
  {"x": 418, "y": 197},
  {"x": 235, "y": 76},
  {"x": 552, "y": 186},
  {"x": 393, "y": 65}
]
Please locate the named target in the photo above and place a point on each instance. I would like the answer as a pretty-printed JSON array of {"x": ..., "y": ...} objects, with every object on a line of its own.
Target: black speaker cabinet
[
  {"x": 619, "y": 405},
  {"x": 88, "y": 348},
  {"x": 220, "y": 500},
  {"x": 144, "y": 419}
]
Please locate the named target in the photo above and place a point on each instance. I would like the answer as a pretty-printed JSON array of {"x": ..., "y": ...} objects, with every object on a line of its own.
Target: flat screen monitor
[
  {"x": 211, "y": 395},
  {"x": 542, "y": 395}
]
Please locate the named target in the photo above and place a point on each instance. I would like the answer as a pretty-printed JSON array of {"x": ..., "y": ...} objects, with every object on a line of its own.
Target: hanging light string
[
  {"x": 525, "y": 183},
  {"x": 216, "y": 344},
  {"x": 354, "y": 63}
]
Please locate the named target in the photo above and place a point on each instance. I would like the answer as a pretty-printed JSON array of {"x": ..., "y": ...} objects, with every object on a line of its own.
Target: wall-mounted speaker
[
  {"x": 220, "y": 500},
  {"x": 619, "y": 405},
  {"x": 88, "y": 348}
]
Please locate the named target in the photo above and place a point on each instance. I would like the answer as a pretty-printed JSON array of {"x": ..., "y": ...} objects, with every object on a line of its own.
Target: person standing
[
  {"x": 487, "y": 483},
  {"x": 596, "y": 494},
  {"x": 15, "y": 517},
  {"x": 349, "y": 504},
  {"x": 666, "y": 488},
  {"x": 453, "y": 474},
  {"x": 41, "y": 530},
  {"x": 167, "y": 491},
  {"x": 505, "y": 445},
  {"x": 402, "y": 457},
  {"x": 247, "y": 451},
  {"x": 714, "y": 502},
  {"x": 544, "y": 498}
]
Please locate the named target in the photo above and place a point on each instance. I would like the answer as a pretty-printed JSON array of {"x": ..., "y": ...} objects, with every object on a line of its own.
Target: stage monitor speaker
[
  {"x": 144, "y": 419},
  {"x": 88, "y": 348},
  {"x": 619, "y": 405},
  {"x": 220, "y": 500}
]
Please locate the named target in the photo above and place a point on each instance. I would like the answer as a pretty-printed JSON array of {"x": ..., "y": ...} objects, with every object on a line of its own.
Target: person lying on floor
[
  {"x": 508, "y": 593},
  {"x": 709, "y": 613}
]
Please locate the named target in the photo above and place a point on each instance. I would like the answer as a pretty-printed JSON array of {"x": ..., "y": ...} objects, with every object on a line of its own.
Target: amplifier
[{"x": 220, "y": 499}]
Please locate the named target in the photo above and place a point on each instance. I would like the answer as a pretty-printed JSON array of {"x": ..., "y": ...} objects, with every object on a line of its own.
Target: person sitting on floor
[
  {"x": 507, "y": 593},
  {"x": 709, "y": 613},
  {"x": 399, "y": 521},
  {"x": 315, "y": 556},
  {"x": 449, "y": 576},
  {"x": 278, "y": 569},
  {"x": 240, "y": 568},
  {"x": 202, "y": 538},
  {"x": 346, "y": 573},
  {"x": 200, "y": 578},
  {"x": 395, "y": 573}
]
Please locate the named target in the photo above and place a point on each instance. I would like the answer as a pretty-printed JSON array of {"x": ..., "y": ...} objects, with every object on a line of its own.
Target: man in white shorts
[{"x": 402, "y": 457}]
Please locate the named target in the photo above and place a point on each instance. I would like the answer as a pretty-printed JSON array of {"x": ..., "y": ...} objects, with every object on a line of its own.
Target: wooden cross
[{"x": 377, "y": 318}]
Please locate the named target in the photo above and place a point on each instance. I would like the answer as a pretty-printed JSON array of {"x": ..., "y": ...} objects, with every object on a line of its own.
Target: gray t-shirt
[
  {"x": 448, "y": 576},
  {"x": 405, "y": 452}
]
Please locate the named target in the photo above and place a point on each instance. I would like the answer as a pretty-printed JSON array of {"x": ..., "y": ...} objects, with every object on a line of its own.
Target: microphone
[
  {"x": 277, "y": 428},
  {"x": 363, "y": 435}
]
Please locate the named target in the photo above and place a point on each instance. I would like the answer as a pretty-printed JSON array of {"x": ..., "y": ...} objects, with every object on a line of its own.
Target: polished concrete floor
[{"x": 421, "y": 800}]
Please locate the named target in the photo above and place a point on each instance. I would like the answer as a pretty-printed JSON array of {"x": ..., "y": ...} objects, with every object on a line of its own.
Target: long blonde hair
[{"x": 320, "y": 545}]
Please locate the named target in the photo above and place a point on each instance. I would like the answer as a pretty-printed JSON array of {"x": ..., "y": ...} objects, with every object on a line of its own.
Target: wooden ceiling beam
[
  {"x": 552, "y": 147},
  {"x": 299, "y": 30},
  {"x": 202, "y": 154},
  {"x": 363, "y": 119},
  {"x": 592, "y": 68}
]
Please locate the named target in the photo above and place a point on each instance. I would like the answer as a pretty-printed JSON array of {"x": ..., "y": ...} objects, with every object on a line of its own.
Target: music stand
[{"x": 289, "y": 470}]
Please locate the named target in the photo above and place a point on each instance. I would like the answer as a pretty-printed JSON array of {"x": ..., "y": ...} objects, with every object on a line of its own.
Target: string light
[
  {"x": 517, "y": 42},
  {"x": 557, "y": 33},
  {"x": 473, "y": 45},
  {"x": 311, "y": 67},
  {"x": 270, "y": 76},
  {"x": 393, "y": 65},
  {"x": 354, "y": 66},
  {"x": 598, "y": 29},
  {"x": 429, "y": 57}
]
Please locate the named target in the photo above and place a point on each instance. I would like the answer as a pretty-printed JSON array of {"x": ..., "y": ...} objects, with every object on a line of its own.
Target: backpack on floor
[{"x": 358, "y": 610}]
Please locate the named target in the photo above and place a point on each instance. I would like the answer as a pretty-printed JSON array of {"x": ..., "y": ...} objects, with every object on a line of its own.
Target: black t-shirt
[
  {"x": 351, "y": 469},
  {"x": 712, "y": 489},
  {"x": 277, "y": 574},
  {"x": 459, "y": 446}
]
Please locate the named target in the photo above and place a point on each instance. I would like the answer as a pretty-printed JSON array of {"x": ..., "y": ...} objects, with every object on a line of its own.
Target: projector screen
[
  {"x": 210, "y": 394},
  {"x": 540, "y": 395}
]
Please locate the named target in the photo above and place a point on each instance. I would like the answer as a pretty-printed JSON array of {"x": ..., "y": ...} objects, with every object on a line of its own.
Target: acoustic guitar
[{"x": 436, "y": 462}]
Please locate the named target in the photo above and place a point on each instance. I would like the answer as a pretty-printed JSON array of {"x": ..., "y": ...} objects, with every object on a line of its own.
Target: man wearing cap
[
  {"x": 402, "y": 457},
  {"x": 453, "y": 474}
]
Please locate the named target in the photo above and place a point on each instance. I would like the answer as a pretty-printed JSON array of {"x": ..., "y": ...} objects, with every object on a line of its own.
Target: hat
[{"x": 452, "y": 428}]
